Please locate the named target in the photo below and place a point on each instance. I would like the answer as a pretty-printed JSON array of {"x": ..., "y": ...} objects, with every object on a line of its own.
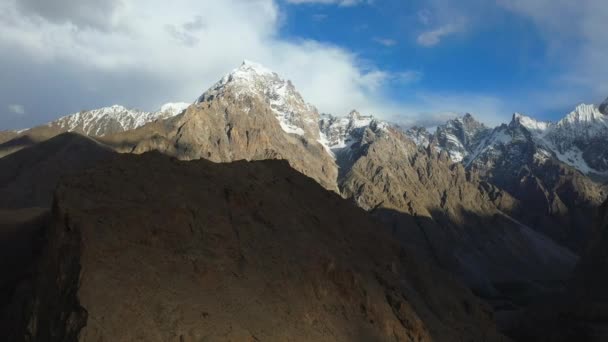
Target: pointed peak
[
  {"x": 584, "y": 113},
  {"x": 528, "y": 122},
  {"x": 254, "y": 67}
]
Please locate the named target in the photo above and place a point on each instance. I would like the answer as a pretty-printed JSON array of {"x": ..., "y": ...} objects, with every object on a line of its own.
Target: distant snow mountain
[
  {"x": 579, "y": 139},
  {"x": 341, "y": 132},
  {"x": 460, "y": 136},
  {"x": 114, "y": 119}
]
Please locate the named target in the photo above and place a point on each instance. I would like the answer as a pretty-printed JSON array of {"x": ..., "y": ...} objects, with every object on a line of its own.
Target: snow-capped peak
[
  {"x": 584, "y": 114},
  {"x": 113, "y": 119},
  {"x": 339, "y": 133},
  {"x": 251, "y": 79},
  {"x": 249, "y": 66},
  {"x": 529, "y": 123}
]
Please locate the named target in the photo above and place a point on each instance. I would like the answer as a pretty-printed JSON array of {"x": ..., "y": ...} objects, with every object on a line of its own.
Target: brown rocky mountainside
[
  {"x": 554, "y": 198},
  {"x": 151, "y": 248},
  {"x": 453, "y": 218},
  {"x": 227, "y": 128}
]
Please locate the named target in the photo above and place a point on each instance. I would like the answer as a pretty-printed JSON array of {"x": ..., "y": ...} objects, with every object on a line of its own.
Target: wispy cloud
[
  {"x": 16, "y": 109},
  {"x": 434, "y": 36},
  {"x": 385, "y": 41}
]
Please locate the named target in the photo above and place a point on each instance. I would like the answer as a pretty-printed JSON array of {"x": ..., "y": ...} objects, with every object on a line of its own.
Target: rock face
[
  {"x": 28, "y": 177},
  {"x": 460, "y": 137},
  {"x": 149, "y": 248},
  {"x": 251, "y": 114}
]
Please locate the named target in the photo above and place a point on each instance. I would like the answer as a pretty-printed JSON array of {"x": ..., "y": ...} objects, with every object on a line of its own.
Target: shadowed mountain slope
[
  {"x": 146, "y": 247},
  {"x": 29, "y": 176}
]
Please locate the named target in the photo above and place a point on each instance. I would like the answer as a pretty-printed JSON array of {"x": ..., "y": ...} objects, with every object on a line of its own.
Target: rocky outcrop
[{"x": 145, "y": 247}]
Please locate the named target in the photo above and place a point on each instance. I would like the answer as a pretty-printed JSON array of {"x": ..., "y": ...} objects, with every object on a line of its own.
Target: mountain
[
  {"x": 471, "y": 199},
  {"x": 147, "y": 247},
  {"x": 576, "y": 140},
  {"x": 555, "y": 197},
  {"x": 94, "y": 123},
  {"x": 439, "y": 209},
  {"x": 250, "y": 114},
  {"x": 114, "y": 119}
]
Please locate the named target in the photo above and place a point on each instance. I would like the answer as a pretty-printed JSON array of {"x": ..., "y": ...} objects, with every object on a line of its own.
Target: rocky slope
[
  {"x": 555, "y": 198},
  {"x": 580, "y": 313},
  {"x": 145, "y": 247},
  {"x": 449, "y": 216}
]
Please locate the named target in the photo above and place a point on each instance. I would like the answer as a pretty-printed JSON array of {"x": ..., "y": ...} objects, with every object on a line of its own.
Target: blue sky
[
  {"x": 496, "y": 51},
  {"x": 413, "y": 62}
]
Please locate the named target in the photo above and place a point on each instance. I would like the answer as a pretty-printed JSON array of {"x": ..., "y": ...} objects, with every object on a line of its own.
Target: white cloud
[
  {"x": 154, "y": 51},
  {"x": 385, "y": 41},
  {"x": 434, "y": 36},
  {"x": 16, "y": 109}
]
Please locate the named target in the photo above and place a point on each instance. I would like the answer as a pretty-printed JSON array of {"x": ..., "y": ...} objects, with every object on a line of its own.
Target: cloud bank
[{"x": 63, "y": 57}]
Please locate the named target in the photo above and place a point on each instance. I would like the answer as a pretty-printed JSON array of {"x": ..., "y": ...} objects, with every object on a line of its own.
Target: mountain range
[{"x": 506, "y": 210}]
